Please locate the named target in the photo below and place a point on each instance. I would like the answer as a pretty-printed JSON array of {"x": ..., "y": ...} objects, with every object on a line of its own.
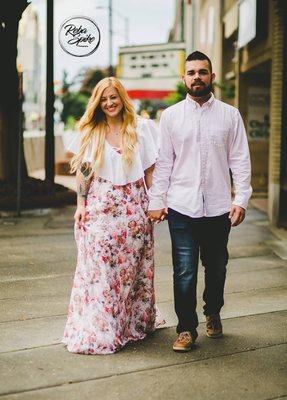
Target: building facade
[
  {"x": 151, "y": 71},
  {"x": 254, "y": 50}
]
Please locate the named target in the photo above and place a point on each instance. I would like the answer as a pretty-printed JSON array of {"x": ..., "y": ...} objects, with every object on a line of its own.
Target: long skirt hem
[{"x": 112, "y": 300}]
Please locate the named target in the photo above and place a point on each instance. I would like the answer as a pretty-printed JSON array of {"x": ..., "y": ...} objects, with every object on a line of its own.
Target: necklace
[{"x": 115, "y": 133}]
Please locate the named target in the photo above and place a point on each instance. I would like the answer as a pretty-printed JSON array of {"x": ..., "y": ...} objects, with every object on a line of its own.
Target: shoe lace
[{"x": 183, "y": 336}]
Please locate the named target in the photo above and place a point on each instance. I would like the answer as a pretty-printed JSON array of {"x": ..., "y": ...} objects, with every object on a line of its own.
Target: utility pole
[
  {"x": 111, "y": 12},
  {"x": 127, "y": 30},
  {"x": 110, "y": 38},
  {"x": 50, "y": 98}
]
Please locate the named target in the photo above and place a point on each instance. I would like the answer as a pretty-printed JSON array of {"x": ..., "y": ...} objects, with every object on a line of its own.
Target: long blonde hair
[{"x": 94, "y": 126}]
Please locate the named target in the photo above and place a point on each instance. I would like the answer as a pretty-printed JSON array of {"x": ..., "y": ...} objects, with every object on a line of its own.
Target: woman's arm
[
  {"x": 83, "y": 181},
  {"x": 148, "y": 176}
]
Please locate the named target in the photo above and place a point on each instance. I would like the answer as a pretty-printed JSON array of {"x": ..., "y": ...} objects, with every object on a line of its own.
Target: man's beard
[{"x": 206, "y": 89}]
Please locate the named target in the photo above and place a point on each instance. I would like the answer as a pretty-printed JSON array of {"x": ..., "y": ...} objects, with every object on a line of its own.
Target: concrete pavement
[{"x": 36, "y": 270}]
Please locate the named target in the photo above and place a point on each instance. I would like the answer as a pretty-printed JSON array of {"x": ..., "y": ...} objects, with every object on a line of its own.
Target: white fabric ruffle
[{"x": 113, "y": 168}]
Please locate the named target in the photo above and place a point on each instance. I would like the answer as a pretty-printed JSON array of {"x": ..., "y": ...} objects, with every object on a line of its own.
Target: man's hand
[
  {"x": 237, "y": 215},
  {"x": 157, "y": 215}
]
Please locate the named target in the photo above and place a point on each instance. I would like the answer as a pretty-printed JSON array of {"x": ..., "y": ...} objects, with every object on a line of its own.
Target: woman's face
[{"x": 111, "y": 103}]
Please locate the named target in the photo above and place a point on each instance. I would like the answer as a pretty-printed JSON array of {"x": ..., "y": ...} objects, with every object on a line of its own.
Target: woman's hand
[
  {"x": 81, "y": 215},
  {"x": 157, "y": 215}
]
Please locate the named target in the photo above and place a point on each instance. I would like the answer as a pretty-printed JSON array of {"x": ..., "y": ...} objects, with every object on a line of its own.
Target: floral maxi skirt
[{"x": 112, "y": 300}]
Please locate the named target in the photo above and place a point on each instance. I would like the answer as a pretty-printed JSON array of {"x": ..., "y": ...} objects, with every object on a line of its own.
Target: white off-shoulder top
[{"x": 112, "y": 168}]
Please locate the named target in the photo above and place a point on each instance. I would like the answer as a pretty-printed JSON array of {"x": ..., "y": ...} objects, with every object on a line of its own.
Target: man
[{"x": 202, "y": 140}]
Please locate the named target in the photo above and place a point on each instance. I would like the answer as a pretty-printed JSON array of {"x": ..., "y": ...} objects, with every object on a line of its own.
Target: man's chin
[{"x": 199, "y": 93}]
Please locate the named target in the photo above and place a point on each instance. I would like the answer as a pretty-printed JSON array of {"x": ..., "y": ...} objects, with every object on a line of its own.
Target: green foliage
[
  {"x": 90, "y": 79},
  {"x": 74, "y": 105},
  {"x": 151, "y": 107},
  {"x": 70, "y": 123},
  {"x": 65, "y": 84},
  {"x": 178, "y": 95},
  {"x": 75, "y": 102},
  {"x": 227, "y": 89}
]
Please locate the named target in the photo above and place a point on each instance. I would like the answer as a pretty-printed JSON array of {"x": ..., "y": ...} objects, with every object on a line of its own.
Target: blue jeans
[{"x": 207, "y": 236}]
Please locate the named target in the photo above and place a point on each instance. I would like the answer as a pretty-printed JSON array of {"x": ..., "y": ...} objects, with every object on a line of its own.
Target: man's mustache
[{"x": 198, "y": 84}]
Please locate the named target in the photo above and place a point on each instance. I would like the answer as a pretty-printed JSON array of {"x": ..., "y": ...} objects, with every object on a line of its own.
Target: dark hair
[{"x": 197, "y": 55}]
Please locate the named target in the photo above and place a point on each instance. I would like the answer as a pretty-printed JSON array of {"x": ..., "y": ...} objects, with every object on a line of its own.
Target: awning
[
  {"x": 148, "y": 94},
  {"x": 247, "y": 22},
  {"x": 230, "y": 20}
]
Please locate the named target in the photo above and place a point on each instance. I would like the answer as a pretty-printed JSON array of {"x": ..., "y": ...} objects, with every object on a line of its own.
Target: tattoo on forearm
[{"x": 83, "y": 180}]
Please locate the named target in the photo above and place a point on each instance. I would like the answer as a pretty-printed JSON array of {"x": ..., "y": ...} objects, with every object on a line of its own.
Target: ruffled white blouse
[{"x": 113, "y": 169}]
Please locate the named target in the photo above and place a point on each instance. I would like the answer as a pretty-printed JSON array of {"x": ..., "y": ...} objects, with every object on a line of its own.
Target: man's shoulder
[{"x": 174, "y": 107}]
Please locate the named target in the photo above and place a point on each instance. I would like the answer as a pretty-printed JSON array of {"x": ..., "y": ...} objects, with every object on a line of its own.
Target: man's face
[{"x": 198, "y": 78}]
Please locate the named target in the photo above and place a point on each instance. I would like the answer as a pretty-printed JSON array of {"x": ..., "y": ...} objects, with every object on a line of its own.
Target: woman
[{"x": 112, "y": 300}]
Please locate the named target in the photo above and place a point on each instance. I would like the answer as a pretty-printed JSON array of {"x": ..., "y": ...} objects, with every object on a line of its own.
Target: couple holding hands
[{"x": 125, "y": 182}]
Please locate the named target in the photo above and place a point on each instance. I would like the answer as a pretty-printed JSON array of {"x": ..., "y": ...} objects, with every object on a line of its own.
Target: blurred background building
[{"x": 151, "y": 71}]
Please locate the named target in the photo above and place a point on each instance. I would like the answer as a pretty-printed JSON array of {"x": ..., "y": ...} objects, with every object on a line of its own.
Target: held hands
[
  {"x": 237, "y": 215},
  {"x": 81, "y": 215},
  {"x": 157, "y": 215}
]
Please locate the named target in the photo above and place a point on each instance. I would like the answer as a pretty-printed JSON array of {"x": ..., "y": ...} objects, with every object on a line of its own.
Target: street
[{"x": 37, "y": 264}]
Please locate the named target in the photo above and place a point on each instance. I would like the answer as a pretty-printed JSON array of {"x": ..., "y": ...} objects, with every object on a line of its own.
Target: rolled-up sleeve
[
  {"x": 163, "y": 166},
  {"x": 239, "y": 163}
]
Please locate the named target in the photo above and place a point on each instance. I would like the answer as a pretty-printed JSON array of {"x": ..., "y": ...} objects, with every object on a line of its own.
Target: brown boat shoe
[
  {"x": 213, "y": 326},
  {"x": 185, "y": 341}
]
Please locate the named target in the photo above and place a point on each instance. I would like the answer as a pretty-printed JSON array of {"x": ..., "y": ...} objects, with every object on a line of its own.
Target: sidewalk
[{"x": 36, "y": 271}]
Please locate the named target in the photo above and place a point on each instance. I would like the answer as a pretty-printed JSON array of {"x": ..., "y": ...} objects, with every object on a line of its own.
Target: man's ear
[
  {"x": 212, "y": 76},
  {"x": 182, "y": 79}
]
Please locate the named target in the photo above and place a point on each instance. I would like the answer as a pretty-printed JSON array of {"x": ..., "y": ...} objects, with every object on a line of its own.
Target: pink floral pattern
[{"x": 112, "y": 299}]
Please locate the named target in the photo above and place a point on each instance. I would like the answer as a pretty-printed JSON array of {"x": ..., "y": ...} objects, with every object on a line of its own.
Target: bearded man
[{"x": 202, "y": 140}]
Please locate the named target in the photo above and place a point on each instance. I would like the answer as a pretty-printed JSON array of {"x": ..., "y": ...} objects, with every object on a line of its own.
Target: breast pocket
[{"x": 218, "y": 137}]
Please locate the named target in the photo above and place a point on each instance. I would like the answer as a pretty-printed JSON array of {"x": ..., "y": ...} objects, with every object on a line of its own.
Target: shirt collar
[{"x": 194, "y": 104}]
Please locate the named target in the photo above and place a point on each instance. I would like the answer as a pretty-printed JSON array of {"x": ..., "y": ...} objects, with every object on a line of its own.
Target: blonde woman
[{"x": 112, "y": 300}]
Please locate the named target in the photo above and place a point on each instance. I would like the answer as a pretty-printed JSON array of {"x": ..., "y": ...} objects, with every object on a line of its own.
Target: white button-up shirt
[{"x": 199, "y": 145}]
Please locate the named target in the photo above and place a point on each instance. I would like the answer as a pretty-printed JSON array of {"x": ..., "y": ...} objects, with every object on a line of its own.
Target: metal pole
[
  {"x": 20, "y": 143},
  {"x": 110, "y": 38},
  {"x": 50, "y": 98},
  {"x": 127, "y": 30}
]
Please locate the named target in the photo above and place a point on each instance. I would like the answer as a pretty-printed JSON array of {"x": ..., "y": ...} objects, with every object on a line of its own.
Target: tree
[
  {"x": 10, "y": 15},
  {"x": 75, "y": 102},
  {"x": 90, "y": 78},
  {"x": 74, "y": 105},
  {"x": 178, "y": 95}
]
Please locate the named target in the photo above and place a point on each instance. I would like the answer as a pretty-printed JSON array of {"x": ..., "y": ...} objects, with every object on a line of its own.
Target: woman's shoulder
[
  {"x": 144, "y": 122},
  {"x": 146, "y": 127}
]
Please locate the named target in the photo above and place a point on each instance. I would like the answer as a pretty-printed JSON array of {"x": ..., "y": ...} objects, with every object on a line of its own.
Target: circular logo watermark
[{"x": 79, "y": 36}]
